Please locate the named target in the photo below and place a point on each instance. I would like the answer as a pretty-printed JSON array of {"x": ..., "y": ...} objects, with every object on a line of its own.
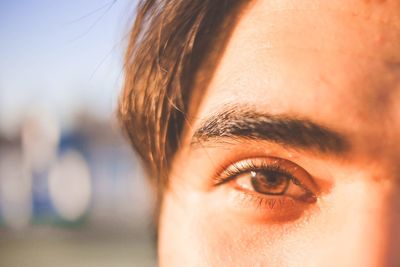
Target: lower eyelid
[
  {"x": 274, "y": 209},
  {"x": 265, "y": 202}
]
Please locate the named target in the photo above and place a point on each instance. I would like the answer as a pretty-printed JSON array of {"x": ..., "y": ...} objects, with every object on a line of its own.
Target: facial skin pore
[{"x": 296, "y": 80}]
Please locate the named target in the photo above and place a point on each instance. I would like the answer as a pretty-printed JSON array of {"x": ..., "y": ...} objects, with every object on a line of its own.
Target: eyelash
[{"x": 242, "y": 167}]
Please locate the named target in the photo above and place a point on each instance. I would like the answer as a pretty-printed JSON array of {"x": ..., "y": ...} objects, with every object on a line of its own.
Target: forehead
[{"x": 335, "y": 62}]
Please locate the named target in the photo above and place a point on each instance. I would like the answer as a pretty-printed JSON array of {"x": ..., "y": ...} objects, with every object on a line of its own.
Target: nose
[
  {"x": 383, "y": 235},
  {"x": 370, "y": 233},
  {"x": 392, "y": 253}
]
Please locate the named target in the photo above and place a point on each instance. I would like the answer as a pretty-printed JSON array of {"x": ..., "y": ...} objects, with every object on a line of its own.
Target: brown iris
[{"x": 270, "y": 182}]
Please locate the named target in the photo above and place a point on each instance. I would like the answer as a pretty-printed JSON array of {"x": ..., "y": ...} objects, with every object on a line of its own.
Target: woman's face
[{"x": 292, "y": 157}]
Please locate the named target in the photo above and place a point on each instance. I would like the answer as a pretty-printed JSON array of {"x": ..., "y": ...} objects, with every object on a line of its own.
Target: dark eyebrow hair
[{"x": 245, "y": 123}]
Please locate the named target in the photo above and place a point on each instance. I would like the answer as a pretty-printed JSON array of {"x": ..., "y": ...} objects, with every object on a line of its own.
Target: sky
[{"x": 61, "y": 56}]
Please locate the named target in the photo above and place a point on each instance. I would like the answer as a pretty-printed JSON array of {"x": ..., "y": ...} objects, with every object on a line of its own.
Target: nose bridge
[
  {"x": 383, "y": 231},
  {"x": 382, "y": 158},
  {"x": 378, "y": 222},
  {"x": 389, "y": 165},
  {"x": 392, "y": 253}
]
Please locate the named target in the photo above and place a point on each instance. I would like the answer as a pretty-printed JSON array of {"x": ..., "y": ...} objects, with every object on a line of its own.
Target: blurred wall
[{"x": 71, "y": 190}]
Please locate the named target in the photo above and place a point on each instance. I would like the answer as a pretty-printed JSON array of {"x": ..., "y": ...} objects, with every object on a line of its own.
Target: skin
[{"x": 336, "y": 64}]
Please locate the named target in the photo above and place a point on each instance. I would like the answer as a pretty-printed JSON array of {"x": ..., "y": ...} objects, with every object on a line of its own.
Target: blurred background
[{"x": 71, "y": 190}]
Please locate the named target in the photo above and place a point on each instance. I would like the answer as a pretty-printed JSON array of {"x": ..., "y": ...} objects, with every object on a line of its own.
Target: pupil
[
  {"x": 272, "y": 179},
  {"x": 268, "y": 182}
]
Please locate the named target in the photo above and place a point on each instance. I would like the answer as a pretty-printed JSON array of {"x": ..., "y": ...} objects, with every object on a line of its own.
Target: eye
[{"x": 271, "y": 176}]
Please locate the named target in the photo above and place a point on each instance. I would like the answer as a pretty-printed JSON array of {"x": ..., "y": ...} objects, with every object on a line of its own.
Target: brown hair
[{"x": 170, "y": 42}]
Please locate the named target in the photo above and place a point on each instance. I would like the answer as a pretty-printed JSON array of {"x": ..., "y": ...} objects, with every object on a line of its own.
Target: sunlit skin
[{"x": 335, "y": 64}]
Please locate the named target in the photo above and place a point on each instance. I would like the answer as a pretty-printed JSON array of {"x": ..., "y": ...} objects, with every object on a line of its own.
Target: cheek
[
  {"x": 192, "y": 233},
  {"x": 197, "y": 229}
]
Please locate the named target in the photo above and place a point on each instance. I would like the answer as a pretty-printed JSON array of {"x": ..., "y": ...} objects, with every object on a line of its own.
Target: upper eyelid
[
  {"x": 250, "y": 164},
  {"x": 253, "y": 167}
]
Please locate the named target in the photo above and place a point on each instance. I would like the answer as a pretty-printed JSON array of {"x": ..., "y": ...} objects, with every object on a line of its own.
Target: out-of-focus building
[
  {"x": 71, "y": 190},
  {"x": 80, "y": 183}
]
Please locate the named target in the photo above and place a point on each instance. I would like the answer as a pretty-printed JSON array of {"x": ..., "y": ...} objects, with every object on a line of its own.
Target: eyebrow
[{"x": 243, "y": 123}]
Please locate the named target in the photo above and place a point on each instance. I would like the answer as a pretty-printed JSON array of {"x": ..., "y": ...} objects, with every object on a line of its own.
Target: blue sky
[{"x": 61, "y": 55}]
